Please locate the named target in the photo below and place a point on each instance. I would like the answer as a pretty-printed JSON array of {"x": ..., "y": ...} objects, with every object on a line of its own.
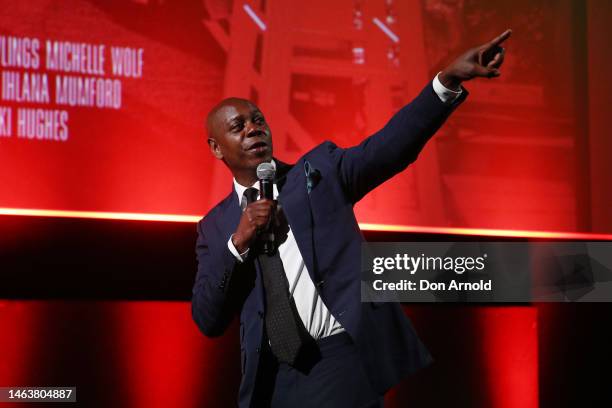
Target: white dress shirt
[{"x": 314, "y": 313}]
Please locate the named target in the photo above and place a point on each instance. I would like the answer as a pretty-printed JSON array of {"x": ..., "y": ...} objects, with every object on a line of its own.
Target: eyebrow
[
  {"x": 234, "y": 118},
  {"x": 253, "y": 112}
]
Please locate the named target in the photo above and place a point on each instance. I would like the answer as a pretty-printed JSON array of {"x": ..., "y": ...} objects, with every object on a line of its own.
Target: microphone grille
[{"x": 266, "y": 171}]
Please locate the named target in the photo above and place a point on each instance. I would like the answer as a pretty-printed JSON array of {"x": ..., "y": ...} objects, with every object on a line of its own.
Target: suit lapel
[
  {"x": 282, "y": 170},
  {"x": 296, "y": 205}
]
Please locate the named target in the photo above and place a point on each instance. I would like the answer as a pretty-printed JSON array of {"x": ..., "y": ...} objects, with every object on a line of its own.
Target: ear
[{"x": 215, "y": 149}]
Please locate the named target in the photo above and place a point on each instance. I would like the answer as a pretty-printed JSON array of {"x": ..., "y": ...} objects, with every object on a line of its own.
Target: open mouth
[{"x": 258, "y": 146}]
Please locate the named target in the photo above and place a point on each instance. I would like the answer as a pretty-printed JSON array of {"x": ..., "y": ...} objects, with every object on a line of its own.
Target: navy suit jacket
[{"x": 317, "y": 195}]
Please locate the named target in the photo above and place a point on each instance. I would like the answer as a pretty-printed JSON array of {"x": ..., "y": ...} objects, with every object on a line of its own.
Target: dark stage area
[{"x": 103, "y": 305}]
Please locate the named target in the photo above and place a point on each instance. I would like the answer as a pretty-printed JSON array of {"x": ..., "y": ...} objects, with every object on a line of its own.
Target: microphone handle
[{"x": 266, "y": 188}]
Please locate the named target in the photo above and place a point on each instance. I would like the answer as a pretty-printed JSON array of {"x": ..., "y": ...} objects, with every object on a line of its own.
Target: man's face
[{"x": 239, "y": 135}]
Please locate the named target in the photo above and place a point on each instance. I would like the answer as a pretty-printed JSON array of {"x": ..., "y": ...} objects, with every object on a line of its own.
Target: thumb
[{"x": 485, "y": 72}]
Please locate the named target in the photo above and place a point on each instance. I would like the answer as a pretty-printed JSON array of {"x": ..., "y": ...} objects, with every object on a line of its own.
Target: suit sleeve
[
  {"x": 214, "y": 302},
  {"x": 395, "y": 146}
]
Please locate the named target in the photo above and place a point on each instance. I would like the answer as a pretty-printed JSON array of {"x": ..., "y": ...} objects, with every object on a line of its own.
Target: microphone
[{"x": 265, "y": 174}]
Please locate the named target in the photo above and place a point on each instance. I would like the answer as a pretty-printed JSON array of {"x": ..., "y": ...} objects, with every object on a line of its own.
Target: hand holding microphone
[{"x": 258, "y": 215}]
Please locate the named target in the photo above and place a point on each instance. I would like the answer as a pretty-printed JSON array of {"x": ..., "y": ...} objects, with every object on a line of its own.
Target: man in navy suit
[{"x": 306, "y": 338}]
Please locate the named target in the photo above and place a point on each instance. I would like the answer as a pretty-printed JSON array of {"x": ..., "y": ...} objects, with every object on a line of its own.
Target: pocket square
[{"x": 312, "y": 176}]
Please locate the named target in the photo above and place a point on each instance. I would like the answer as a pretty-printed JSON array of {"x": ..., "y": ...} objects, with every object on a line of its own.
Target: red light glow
[{"x": 502, "y": 233}]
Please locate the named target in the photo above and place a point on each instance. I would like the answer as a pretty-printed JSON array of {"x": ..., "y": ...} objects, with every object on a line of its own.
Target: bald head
[{"x": 215, "y": 118}]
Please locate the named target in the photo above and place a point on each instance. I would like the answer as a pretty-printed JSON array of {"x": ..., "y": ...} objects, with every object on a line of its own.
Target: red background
[{"x": 526, "y": 151}]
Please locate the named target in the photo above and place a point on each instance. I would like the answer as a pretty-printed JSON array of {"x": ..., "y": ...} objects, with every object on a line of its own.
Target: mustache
[{"x": 261, "y": 133}]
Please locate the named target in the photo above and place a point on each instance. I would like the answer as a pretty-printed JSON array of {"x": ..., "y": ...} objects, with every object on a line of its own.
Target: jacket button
[
  {"x": 260, "y": 313},
  {"x": 258, "y": 350}
]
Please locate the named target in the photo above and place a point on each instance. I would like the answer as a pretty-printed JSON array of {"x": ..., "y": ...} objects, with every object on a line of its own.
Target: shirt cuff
[
  {"x": 446, "y": 95},
  {"x": 240, "y": 257}
]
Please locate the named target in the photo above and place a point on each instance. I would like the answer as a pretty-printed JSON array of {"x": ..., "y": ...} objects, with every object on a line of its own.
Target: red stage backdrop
[{"x": 102, "y": 104}]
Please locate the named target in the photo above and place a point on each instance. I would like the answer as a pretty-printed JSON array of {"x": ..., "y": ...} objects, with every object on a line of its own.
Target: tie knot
[{"x": 251, "y": 195}]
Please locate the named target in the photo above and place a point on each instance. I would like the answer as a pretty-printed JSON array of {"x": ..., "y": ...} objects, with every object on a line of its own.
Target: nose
[{"x": 252, "y": 129}]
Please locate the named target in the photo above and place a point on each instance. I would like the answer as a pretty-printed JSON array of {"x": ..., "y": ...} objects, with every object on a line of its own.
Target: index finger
[{"x": 501, "y": 38}]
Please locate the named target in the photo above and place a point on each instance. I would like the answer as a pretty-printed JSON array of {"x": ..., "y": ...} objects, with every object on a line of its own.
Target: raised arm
[{"x": 399, "y": 142}]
